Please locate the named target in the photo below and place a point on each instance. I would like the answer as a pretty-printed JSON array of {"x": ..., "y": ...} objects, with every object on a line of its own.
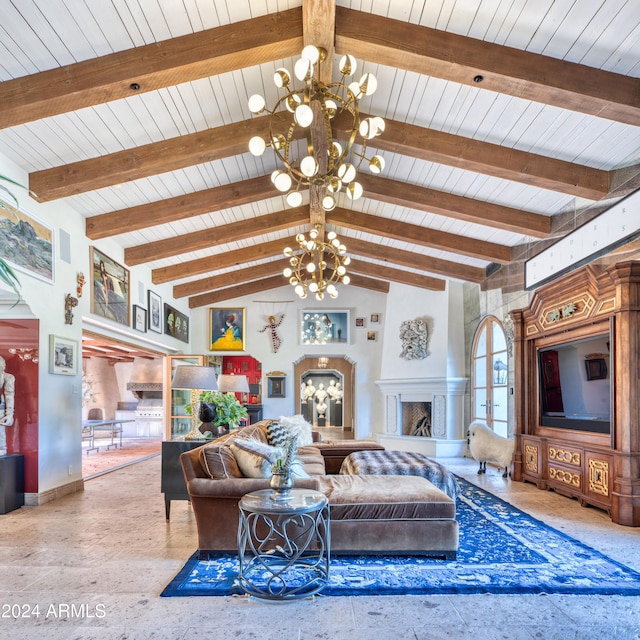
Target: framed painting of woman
[{"x": 227, "y": 329}]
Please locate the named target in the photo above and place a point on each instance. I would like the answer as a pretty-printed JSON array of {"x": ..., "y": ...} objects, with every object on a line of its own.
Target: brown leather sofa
[{"x": 369, "y": 514}]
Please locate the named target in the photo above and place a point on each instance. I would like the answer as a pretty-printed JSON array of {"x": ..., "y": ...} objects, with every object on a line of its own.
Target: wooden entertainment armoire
[{"x": 589, "y": 454}]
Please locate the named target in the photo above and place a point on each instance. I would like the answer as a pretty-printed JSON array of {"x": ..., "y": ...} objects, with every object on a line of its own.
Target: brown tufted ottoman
[{"x": 390, "y": 515}]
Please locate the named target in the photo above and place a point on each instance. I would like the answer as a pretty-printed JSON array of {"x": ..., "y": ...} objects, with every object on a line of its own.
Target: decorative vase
[{"x": 281, "y": 484}]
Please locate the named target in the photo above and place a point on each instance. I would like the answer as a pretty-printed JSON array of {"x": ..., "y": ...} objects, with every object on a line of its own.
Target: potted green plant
[{"x": 229, "y": 411}]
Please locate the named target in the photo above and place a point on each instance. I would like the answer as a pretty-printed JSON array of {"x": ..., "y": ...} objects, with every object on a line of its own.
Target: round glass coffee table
[{"x": 283, "y": 544}]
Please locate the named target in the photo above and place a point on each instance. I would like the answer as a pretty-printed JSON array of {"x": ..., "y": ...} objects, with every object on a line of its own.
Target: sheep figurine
[{"x": 485, "y": 445}]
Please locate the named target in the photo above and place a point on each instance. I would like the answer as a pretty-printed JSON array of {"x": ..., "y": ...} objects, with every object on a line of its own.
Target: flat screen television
[{"x": 575, "y": 385}]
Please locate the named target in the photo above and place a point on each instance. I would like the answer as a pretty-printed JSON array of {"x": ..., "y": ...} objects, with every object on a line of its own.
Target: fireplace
[{"x": 425, "y": 415}]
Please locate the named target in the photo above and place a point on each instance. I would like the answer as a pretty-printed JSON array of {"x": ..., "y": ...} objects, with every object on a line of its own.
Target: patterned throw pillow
[{"x": 277, "y": 434}]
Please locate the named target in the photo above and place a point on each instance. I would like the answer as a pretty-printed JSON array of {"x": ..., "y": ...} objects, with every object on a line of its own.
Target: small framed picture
[
  {"x": 176, "y": 324},
  {"x": 155, "y": 311},
  {"x": 63, "y": 356},
  {"x": 139, "y": 318},
  {"x": 276, "y": 386},
  {"x": 359, "y": 322},
  {"x": 375, "y": 318},
  {"x": 372, "y": 336}
]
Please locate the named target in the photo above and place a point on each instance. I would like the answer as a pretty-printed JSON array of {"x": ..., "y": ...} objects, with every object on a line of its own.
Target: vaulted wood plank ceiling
[{"x": 475, "y": 174}]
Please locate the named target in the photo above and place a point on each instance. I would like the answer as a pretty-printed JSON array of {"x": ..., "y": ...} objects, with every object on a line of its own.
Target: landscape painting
[{"x": 26, "y": 243}]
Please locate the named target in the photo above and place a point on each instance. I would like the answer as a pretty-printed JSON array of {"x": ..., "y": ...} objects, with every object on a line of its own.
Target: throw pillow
[
  {"x": 219, "y": 462},
  {"x": 277, "y": 434},
  {"x": 297, "y": 425},
  {"x": 254, "y": 458}
]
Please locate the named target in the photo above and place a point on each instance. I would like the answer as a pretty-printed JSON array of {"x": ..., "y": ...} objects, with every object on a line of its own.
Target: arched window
[{"x": 489, "y": 376}]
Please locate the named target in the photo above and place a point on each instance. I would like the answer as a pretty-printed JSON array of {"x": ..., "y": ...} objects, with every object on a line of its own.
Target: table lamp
[{"x": 195, "y": 379}]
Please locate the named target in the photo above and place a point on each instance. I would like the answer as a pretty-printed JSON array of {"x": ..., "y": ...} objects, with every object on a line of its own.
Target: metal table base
[{"x": 284, "y": 545}]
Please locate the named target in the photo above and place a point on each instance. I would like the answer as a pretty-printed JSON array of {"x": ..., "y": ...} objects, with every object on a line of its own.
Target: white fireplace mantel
[{"x": 447, "y": 398}]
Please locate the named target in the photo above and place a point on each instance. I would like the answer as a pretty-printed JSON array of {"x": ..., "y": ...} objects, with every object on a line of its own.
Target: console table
[{"x": 172, "y": 483}]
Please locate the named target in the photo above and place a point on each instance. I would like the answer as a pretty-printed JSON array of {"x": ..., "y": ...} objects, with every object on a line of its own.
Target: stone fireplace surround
[{"x": 446, "y": 396}]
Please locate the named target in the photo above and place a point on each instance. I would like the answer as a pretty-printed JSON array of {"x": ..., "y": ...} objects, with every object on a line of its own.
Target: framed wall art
[
  {"x": 110, "y": 290},
  {"x": 276, "y": 386},
  {"x": 63, "y": 356},
  {"x": 26, "y": 243},
  {"x": 139, "y": 318},
  {"x": 227, "y": 329},
  {"x": 154, "y": 306},
  {"x": 324, "y": 327},
  {"x": 176, "y": 323}
]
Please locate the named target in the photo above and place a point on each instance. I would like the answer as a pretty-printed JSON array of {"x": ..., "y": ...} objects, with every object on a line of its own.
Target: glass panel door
[{"x": 489, "y": 376}]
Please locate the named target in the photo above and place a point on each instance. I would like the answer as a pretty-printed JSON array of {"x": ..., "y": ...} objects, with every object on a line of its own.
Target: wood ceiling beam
[
  {"x": 151, "y": 67},
  {"x": 237, "y": 291},
  {"x": 363, "y": 282},
  {"x": 182, "y": 207},
  {"x": 457, "y": 58},
  {"x": 492, "y": 160},
  {"x": 232, "y": 139},
  {"x": 396, "y": 275},
  {"x": 453, "y": 206},
  {"x": 229, "y": 279},
  {"x": 216, "y": 236},
  {"x": 147, "y": 160},
  {"x": 415, "y": 234},
  {"x": 223, "y": 260},
  {"x": 229, "y": 292},
  {"x": 412, "y": 260}
]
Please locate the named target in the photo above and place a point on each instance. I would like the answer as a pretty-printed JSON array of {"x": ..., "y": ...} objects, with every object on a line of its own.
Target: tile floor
[{"x": 93, "y": 565}]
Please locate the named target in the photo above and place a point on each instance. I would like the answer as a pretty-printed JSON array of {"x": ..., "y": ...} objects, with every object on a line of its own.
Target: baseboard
[{"x": 37, "y": 499}]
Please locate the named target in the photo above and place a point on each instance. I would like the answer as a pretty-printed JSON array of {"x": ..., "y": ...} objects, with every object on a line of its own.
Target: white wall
[
  {"x": 373, "y": 359},
  {"x": 60, "y": 415}
]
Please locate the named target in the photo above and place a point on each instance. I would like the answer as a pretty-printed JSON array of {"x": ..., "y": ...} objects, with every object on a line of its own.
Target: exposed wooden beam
[
  {"x": 223, "y": 260},
  {"x": 178, "y": 208},
  {"x": 396, "y": 275},
  {"x": 237, "y": 291},
  {"x": 151, "y": 67},
  {"x": 147, "y": 160},
  {"x": 492, "y": 160},
  {"x": 229, "y": 292},
  {"x": 363, "y": 282},
  {"x": 318, "y": 29},
  {"x": 216, "y": 236},
  {"x": 453, "y": 206},
  {"x": 415, "y": 234},
  {"x": 433, "y": 52},
  {"x": 399, "y": 257},
  {"x": 232, "y": 139},
  {"x": 229, "y": 279}
]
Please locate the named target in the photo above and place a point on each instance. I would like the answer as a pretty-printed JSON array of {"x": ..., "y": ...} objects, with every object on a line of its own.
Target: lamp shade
[
  {"x": 236, "y": 384},
  {"x": 189, "y": 376}
]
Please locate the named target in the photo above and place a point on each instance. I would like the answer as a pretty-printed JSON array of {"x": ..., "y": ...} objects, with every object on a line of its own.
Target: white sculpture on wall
[{"x": 414, "y": 335}]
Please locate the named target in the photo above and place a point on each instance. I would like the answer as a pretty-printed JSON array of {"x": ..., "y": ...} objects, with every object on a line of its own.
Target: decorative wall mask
[{"x": 414, "y": 335}]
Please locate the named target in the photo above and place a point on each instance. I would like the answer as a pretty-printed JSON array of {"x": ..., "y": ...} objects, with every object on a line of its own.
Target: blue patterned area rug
[{"x": 502, "y": 550}]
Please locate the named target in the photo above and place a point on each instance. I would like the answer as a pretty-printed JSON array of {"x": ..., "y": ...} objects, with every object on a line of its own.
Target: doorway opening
[{"x": 122, "y": 404}]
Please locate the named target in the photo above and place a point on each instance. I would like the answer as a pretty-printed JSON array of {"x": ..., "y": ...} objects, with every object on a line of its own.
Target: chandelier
[
  {"x": 328, "y": 164},
  {"x": 320, "y": 266}
]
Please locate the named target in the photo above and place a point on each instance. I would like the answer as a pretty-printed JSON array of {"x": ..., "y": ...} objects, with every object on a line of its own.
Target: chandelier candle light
[
  {"x": 327, "y": 167},
  {"x": 334, "y": 168}
]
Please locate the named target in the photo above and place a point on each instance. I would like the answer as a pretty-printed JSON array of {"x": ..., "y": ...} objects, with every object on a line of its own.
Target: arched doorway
[{"x": 489, "y": 376}]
